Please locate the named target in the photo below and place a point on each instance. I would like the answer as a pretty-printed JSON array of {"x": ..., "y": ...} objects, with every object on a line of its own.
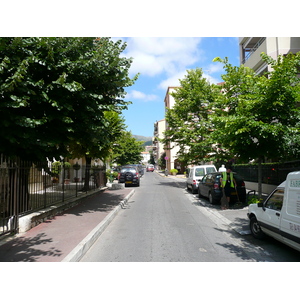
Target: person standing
[{"x": 228, "y": 185}]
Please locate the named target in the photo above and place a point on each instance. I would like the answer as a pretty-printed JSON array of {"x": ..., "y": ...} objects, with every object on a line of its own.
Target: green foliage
[
  {"x": 111, "y": 175},
  {"x": 55, "y": 92},
  {"x": 127, "y": 150},
  {"x": 189, "y": 121},
  {"x": 254, "y": 199},
  {"x": 174, "y": 171},
  {"x": 257, "y": 115}
]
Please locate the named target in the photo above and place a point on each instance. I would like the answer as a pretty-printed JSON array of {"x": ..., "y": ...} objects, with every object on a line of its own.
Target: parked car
[
  {"x": 129, "y": 175},
  {"x": 195, "y": 174},
  {"x": 140, "y": 168},
  {"x": 210, "y": 187},
  {"x": 279, "y": 215},
  {"x": 150, "y": 168}
]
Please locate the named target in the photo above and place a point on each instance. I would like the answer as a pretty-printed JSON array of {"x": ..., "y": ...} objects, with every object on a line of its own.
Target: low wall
[{"x": 266, "y": 188}]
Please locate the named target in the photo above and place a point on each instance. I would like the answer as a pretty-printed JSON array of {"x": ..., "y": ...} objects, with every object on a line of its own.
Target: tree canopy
[
  {"x": 259, "y": 115},
  {"x": 55, "y": 94},
  {"x": 127, "y": 150},
  {"x": 188, "y": 120}
]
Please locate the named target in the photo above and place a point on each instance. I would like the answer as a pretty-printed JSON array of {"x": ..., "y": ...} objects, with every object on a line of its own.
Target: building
[
  {"x": 252, "y": 47},
  {"x": 171, "y": 150},
  {"x": 146, "y": 157},
  {"x": 158, "y": 147}
]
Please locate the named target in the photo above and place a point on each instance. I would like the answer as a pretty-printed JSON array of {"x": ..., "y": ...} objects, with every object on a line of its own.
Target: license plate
[
  {"x": 128, "y": 182},
  {"x": 233, "y": 193}
]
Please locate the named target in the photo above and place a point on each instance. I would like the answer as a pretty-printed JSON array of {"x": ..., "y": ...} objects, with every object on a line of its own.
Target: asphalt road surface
[{"x": 161, "y": 224}]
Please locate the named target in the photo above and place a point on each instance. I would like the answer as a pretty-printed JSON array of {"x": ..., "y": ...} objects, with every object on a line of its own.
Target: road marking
[{"x": 202, "y": 250}]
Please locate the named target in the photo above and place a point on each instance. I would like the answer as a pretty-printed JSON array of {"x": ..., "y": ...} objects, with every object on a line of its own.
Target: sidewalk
[{"x": 67, "y": 236}]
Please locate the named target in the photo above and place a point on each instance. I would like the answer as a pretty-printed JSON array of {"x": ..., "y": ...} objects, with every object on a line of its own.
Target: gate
[{"x": 8, "y": 196}]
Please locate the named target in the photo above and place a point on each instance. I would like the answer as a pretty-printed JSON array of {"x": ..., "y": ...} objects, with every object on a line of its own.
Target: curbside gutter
[{"x": 79, "y": 251}]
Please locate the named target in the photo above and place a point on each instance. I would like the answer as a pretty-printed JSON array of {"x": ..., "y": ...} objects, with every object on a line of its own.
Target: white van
[
  {"x": 279, "y": 215},
  {"x": 195, "y": 174}
]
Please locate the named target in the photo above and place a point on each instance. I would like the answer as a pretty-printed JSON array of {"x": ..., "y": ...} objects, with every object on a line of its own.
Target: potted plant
[
  {"x": 66, "y": 166},
  {"x": 174, "y": 171},
  {"x": 111, "y": 175},
  {"x": 56, "y": 169},
  {"x": 76, "y": 167}
]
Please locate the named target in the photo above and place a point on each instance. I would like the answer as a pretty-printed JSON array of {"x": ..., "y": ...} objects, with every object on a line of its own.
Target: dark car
[
  {"x": 210, "y": 187},
  {"x": 129, "y": 175},
  {"x": 140, "y": 168}
]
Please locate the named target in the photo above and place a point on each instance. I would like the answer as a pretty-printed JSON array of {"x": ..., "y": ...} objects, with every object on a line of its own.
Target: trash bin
[{"x": 166, "y": 172}]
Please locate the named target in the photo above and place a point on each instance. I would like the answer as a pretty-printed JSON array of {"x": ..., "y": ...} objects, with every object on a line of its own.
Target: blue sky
[{"x": 161, "y": 62}]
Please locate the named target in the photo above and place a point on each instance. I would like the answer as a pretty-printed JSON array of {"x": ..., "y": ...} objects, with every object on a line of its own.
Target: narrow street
[{"x": 162, "y": 223}]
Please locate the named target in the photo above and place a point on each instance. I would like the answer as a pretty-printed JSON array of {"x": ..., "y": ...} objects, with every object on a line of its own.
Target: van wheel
[{"x": 255, "y": 228}]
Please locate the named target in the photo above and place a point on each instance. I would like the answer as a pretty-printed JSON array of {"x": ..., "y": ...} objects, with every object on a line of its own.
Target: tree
[
  {"x": 259, "y": 115},
  {"x": 189, "y": 121},
  {"x": 54, "y": 92},
  {"x": 127, "y": 150}
]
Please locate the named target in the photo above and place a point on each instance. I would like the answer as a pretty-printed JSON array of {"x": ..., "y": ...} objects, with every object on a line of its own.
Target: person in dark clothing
[{"x": 228, "y": 185}]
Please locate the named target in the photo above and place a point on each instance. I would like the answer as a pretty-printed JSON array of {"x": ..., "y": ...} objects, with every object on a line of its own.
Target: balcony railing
[{"x": 253, "y": 49}]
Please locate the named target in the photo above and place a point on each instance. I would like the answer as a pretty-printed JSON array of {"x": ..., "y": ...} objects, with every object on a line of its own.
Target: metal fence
[
  {"x": 271, "y": 173},
  {"x": 26, "y": 187}
]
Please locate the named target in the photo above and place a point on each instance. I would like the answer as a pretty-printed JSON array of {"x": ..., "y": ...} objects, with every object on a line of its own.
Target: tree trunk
[
  {"x": 259, "y": 175},
  {"x": 87, "y": 174}
]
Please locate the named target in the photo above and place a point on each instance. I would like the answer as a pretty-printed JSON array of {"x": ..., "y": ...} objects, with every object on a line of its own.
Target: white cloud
[
  {"x": 141, "y": 96},
  {"x": 174, "y": 79},
  {"x": 156, "y": 55}
]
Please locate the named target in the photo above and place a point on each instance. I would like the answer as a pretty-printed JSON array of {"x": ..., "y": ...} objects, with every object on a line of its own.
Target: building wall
[
  {"x": 272, "y": 46},
  {"x": 170, "y": 153}
]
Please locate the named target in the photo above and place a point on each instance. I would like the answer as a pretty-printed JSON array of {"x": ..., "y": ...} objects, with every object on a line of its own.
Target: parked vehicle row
[
  {"x": 195, "y": 175},
  {"x": 206, "y": 181}
]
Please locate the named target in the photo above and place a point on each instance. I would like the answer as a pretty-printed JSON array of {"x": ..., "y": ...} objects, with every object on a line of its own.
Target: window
[
  {"x": 199, "y": 172},
  {"x": 276, "y": 199}
]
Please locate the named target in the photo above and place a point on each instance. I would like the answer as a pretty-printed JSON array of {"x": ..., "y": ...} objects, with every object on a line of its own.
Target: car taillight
[
  {"x": 243, "y": 183},
  {"x": 119, "y": 174},
  {"x": 194, "y": 182},
  {"x": 216, "y": 186}
]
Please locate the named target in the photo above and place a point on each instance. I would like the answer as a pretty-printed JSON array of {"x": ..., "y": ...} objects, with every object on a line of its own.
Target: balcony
[{"x": 250, "y": 46}]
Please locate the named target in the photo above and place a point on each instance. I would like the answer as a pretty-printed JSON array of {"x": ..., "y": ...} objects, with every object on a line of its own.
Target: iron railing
[
  {"x": 26, "y": 187},
  {"x": 271, "y": 173}
]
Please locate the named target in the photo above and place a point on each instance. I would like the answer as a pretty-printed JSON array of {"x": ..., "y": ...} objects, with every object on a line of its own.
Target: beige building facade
[
  {"x": 252, "y": 47},
  {"x": 158, "y": 147}
]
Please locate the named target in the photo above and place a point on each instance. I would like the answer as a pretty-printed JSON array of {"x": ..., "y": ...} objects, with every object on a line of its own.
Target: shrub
[{"x": 174, "y": 171}]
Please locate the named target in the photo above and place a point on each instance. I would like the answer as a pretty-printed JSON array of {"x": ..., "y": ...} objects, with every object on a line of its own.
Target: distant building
[
  {"x": 171, "y": 149},
  {"x": 158, "y": 147},
  {"x": 146, "y": 157}
]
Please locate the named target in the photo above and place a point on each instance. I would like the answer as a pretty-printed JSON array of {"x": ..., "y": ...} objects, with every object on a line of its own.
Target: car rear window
[
  {"x": 210, "y": 169},
  {"x": 199, "y": 172},
  {"x": 128, "y": 170}
]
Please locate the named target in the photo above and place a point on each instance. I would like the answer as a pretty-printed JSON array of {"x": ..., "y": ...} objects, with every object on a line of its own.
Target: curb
[{"x": 79, "y": 251}]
